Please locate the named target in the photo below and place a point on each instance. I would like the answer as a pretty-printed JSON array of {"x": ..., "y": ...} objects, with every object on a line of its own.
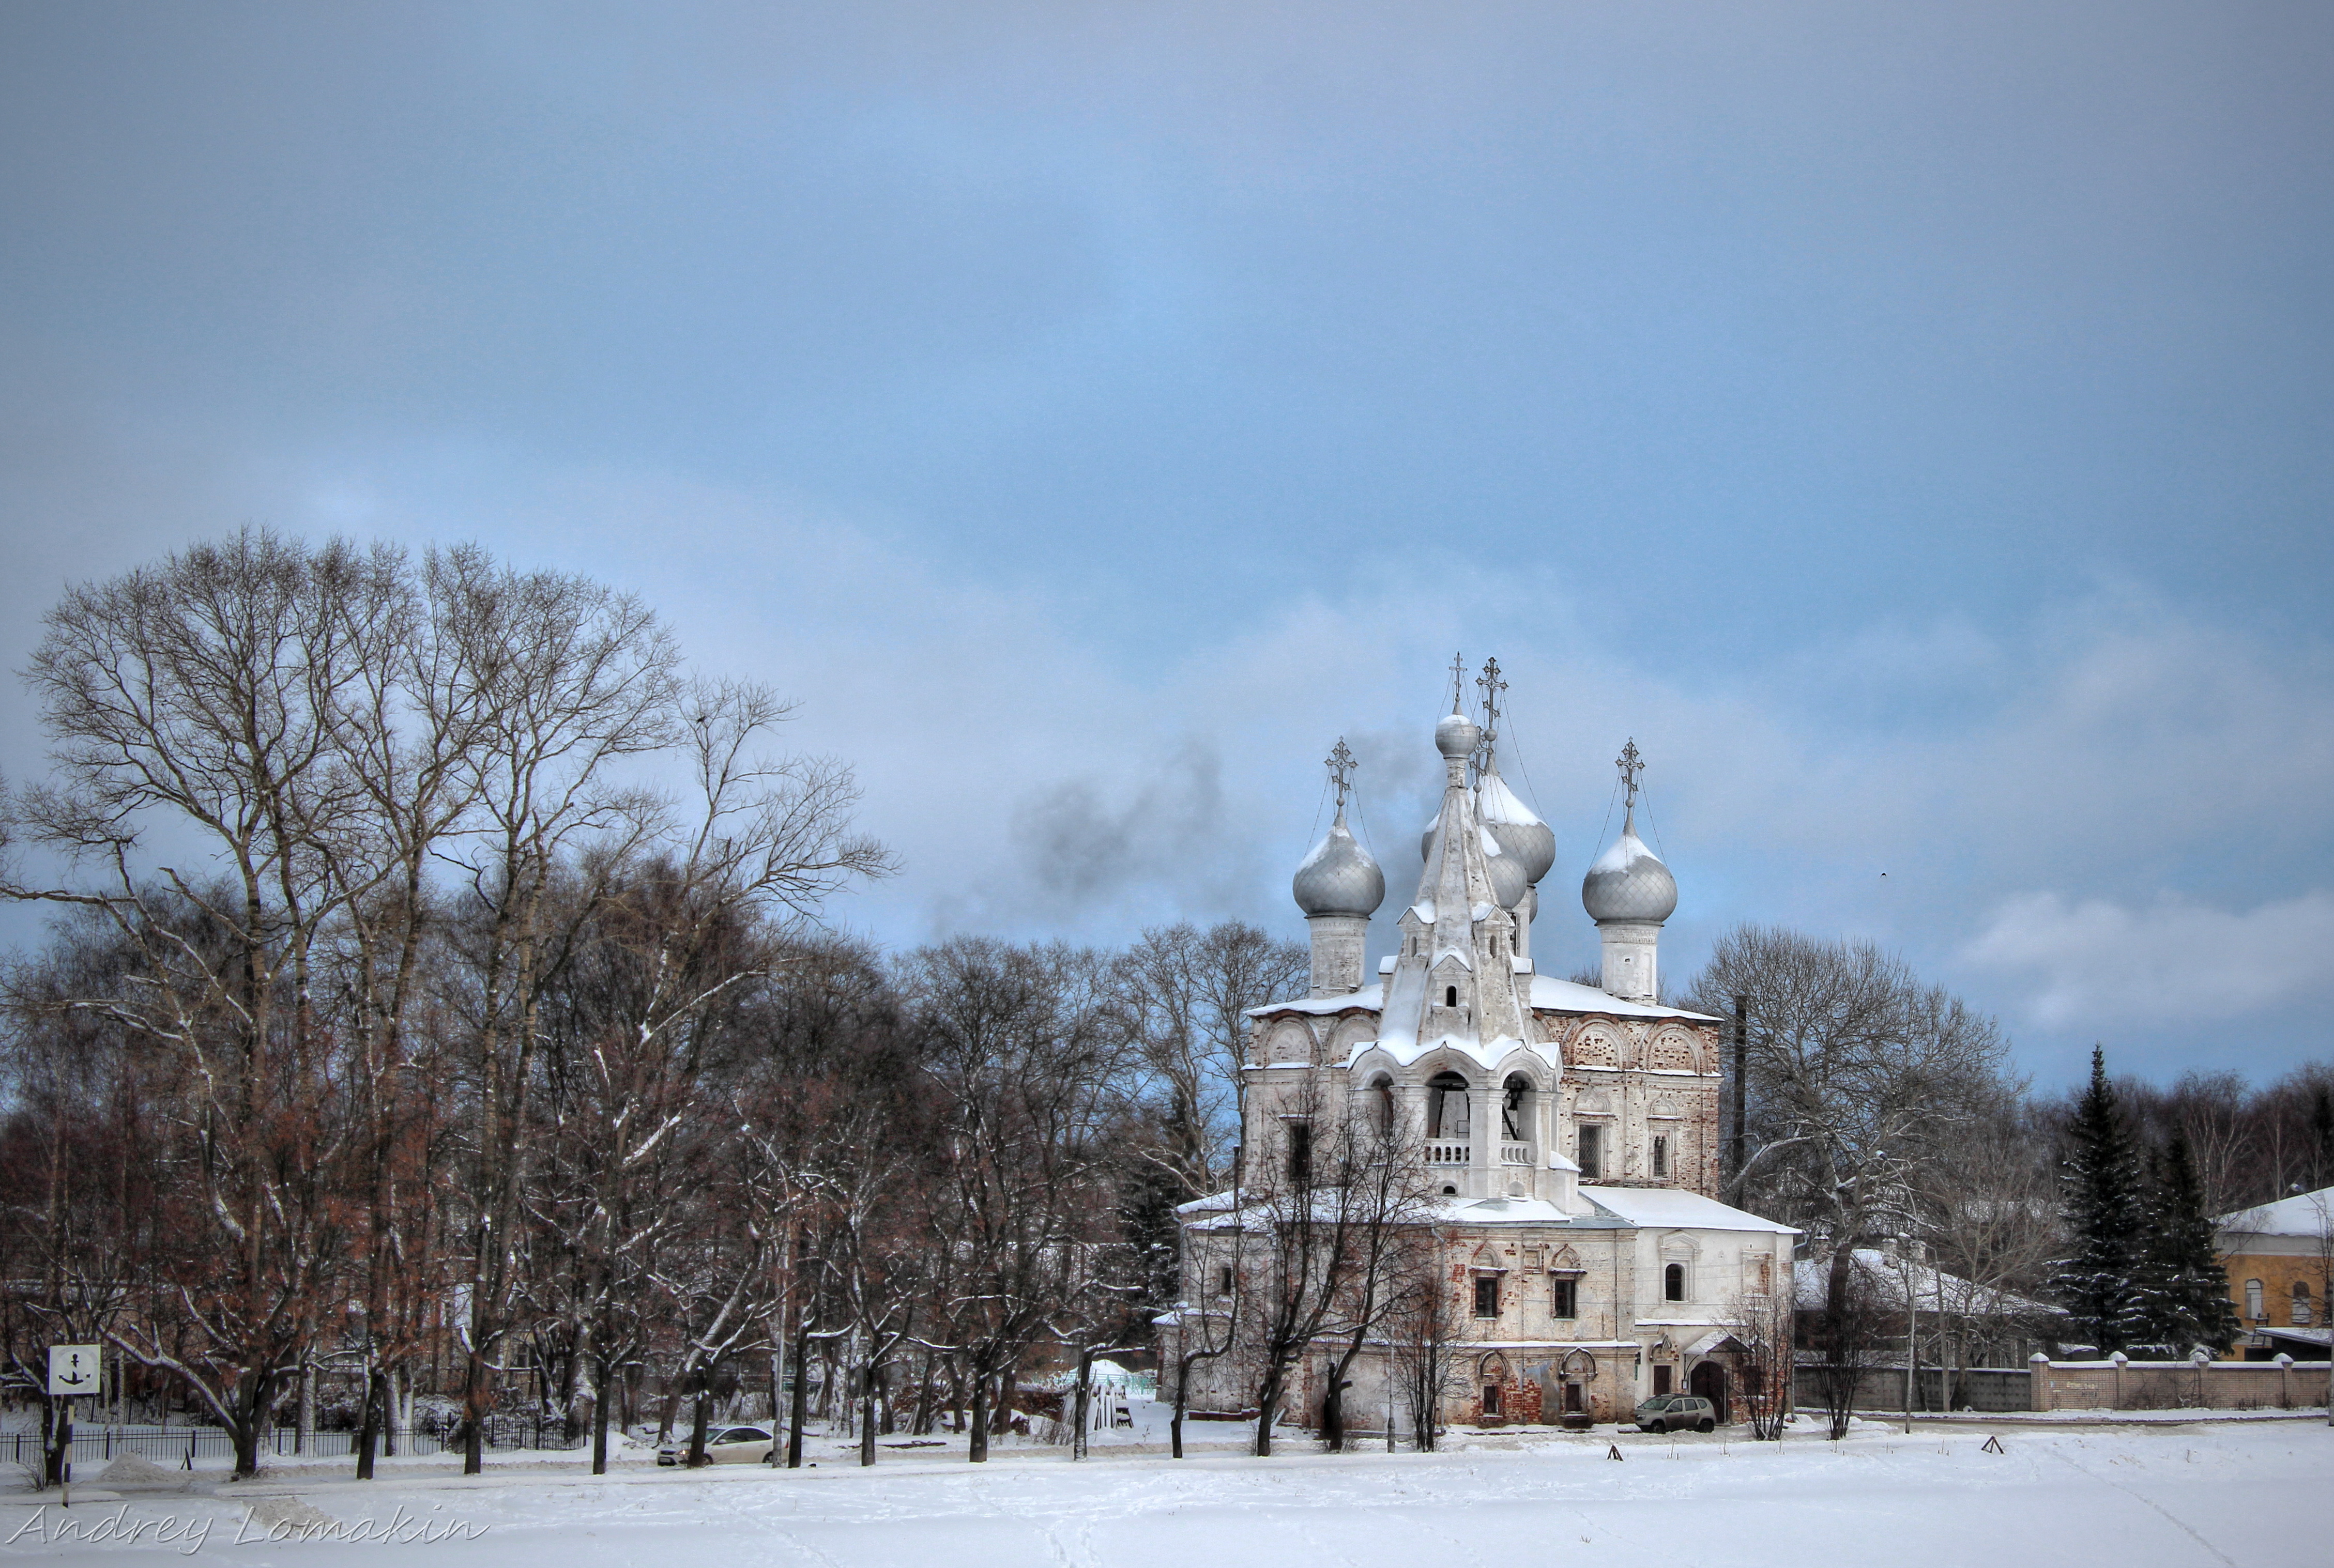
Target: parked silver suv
[{"x": 1676, "y": 1412}]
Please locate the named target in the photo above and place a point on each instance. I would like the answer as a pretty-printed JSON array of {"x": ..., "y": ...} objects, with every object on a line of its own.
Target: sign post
[{"x": 75, "y": 1372}]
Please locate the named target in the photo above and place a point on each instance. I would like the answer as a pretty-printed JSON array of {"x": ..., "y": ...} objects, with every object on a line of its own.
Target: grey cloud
[
  {"x": 2094, "y": 963},
  {"x": 1082, "y": 844},
  {"x": 1907, "y": 424}
]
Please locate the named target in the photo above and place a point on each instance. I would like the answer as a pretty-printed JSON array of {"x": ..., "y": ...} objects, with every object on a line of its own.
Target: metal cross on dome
[
  {"x": 1458, "y": 680},
  {"x": 1341, "y": 766},
  {"x": 1630, "y": 765},
  {"x": 1491, "y": 686}
]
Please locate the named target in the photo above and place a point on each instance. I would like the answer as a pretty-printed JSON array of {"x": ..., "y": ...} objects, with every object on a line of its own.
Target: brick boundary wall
[
  {"x": 1993, "y": 1389},
  {"x": 2120, "y": 1383},
  {"x": 2117, "y": 1383}
]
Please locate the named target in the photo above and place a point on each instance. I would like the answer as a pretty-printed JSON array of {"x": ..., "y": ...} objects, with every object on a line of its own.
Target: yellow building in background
[{"x": 2277, "y": 1257}]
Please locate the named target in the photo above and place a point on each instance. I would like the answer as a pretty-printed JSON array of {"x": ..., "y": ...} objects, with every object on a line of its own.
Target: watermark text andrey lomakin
[{"x": 189, "y": 1533}]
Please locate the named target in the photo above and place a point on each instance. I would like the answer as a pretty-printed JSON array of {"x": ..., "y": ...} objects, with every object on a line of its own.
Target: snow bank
[{"x": 136, "y": 1472}]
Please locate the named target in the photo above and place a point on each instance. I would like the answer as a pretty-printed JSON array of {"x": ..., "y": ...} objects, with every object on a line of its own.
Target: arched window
[
  {"x": 2253, "y": 1299},
  {"x": 1446, "y": 1106},
  {"x": 1674, "y": 1283},
  {"x": 1511, "y": 1107},
  {"x": 1382, "y": 1102},
  {"x": 1301, "y": 1153},
  {"x": 2302, "y": 1303},
  {"x": 1450, "y": 996}
]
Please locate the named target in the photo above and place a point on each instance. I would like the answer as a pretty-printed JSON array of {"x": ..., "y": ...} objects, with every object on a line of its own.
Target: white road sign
[{"x": 75, "y": 1369}]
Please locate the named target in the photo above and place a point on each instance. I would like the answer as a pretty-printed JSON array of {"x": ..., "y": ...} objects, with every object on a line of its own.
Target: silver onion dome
[
  {"x": 1457, "y": 736},
  {"x": 1520, "y": 834},
  {"x": 1629, "y": 883},
  {"x": 1338, "y": 878},
  {"x": 1509, "y": 883}
]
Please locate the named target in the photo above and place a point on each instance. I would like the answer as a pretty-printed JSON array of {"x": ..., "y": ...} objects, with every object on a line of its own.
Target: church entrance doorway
[{"x": 1708, "y": 1380}]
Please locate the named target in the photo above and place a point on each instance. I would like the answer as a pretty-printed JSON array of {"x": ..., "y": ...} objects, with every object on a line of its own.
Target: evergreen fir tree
[
  {"x": 2097, "y": 1282},
  {"x": 2188, "y": 1295},
  {"x": 1147, "y": 1219},
  {"x": 2154, "y": 1326}
]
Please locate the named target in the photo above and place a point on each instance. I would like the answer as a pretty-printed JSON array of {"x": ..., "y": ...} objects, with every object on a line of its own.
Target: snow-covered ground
[{"x": 2225, "y": 1493}]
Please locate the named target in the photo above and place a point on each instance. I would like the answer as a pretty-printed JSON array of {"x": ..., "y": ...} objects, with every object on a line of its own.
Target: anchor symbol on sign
[{"x": 73, "y": 1372}]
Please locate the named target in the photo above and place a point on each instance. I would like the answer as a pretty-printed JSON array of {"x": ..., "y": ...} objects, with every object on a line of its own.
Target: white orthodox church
[{"x": 1568, "y": 1133}]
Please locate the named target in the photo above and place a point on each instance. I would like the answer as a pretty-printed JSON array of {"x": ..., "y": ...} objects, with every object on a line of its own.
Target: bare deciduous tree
[
  {"x": 1328, "y": 1202},
  {"x": 1861, "y": 1079},
  {"x": 1424, "y": 1328},
  {"x": 584, "y": 678},
  {"x": 1763, "y": 1324},
  {"x": 269, "y": 755},
  {"x": 1187, "y": 992},
  {"x": 1209, "y": 1329},
  {"x": 1845, "y": 1334},
  {"x": 204, "y": 705},
  {"x": 1025, "y": 1055}
]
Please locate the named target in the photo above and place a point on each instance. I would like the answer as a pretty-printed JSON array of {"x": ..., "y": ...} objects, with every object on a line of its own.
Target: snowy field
[{"x": 2255, "y": 1492}]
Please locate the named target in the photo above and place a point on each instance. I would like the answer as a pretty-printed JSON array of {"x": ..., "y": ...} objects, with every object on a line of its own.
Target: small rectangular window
[
  {"x": 1487, "y": 1297},
  {"x": 1592, "y": 1163},
  {"x": 1224, "y": 1280},
  {"x": 1564, "y": 1298},
  {"x": 1490, "y": 1399},
  {"x": 1301, "y": 1153},
  {"x": 1660, "y": 1155}
]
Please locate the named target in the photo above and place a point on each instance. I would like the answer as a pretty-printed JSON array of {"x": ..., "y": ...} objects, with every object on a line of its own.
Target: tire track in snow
[{"x": 2177, "y": 1522}]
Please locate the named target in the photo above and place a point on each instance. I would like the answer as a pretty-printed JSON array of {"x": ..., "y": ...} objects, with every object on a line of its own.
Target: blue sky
[{"x": 1911, "y": 425}]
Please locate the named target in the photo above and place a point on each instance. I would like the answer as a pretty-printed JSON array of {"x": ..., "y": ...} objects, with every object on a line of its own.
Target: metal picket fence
[{"x": 185, "y": 1446}]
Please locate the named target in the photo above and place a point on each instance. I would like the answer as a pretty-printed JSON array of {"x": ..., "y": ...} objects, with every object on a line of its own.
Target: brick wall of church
[{"x": 1638, "y": 1082}]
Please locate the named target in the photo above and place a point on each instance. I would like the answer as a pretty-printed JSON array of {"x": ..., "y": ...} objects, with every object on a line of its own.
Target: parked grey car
[
  {"x": 1677, "y": 1412},
  {"x": 735, "y": 1446}
]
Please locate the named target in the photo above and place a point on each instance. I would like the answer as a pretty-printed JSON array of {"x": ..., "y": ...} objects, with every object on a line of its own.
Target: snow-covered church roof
[
  {"x": 1676, "y": 1208},
  {"x": 1549, "y": 995}
]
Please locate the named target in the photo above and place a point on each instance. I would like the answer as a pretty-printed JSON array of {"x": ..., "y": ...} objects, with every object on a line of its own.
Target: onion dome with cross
[
  {"x": 1629, "y": 884},
  {"x": 1339, "y": 877}
]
